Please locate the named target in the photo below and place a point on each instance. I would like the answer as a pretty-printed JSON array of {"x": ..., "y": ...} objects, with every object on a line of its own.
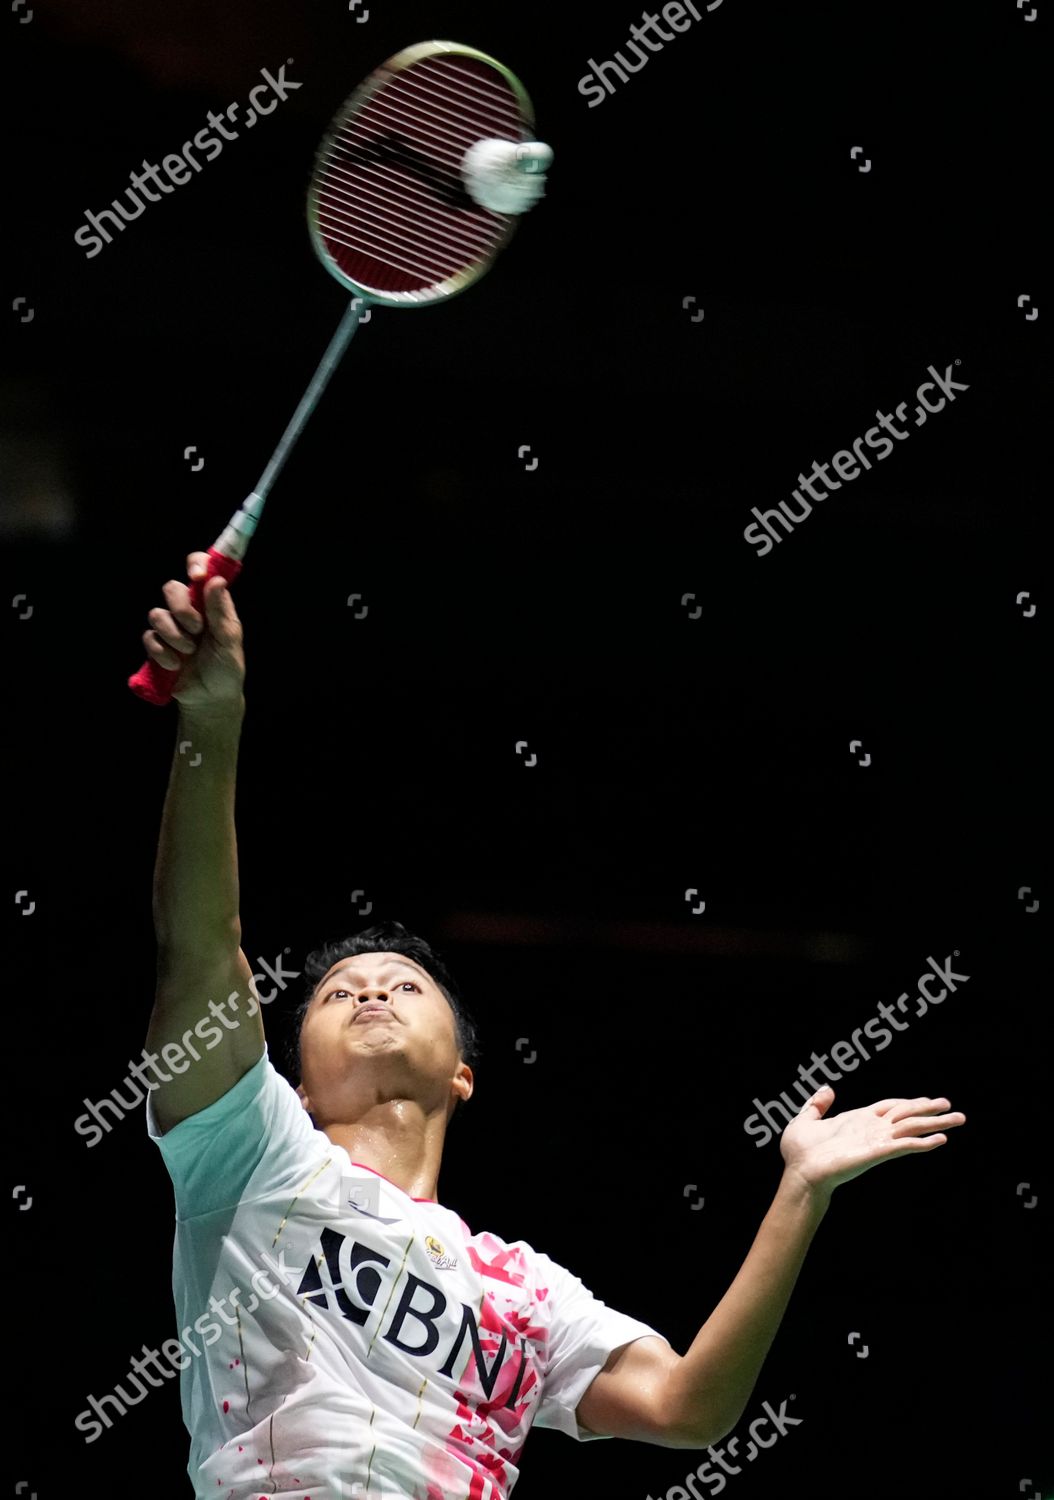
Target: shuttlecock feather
[{"x": 507, "y": 177}]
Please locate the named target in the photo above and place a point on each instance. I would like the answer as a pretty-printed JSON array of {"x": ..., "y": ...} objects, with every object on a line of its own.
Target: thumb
[
  {"x": 821, "y": 1101},
  {"x": 218, "y": 606}
]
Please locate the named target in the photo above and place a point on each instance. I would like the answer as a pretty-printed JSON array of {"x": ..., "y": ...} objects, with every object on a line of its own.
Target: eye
[{"x": 406, "y": 982}]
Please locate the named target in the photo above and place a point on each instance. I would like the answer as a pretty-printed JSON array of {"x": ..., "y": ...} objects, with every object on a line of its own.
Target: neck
[{"x": 398, "y": 1140}]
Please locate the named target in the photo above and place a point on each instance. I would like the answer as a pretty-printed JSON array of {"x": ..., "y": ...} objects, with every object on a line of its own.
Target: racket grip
[{"x": 153, "y": 682}]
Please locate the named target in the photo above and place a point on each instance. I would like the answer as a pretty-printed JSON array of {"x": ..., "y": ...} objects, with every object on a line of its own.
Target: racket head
[{"x": 389, "y": 215}]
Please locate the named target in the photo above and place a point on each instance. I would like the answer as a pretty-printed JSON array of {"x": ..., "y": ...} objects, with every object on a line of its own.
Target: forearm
[
  {"x": 710, "y": 1387},
  {"x": 196, "y": 873}
]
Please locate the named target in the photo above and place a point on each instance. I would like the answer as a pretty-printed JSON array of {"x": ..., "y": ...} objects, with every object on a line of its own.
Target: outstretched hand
[{"x": 827, "y": 1152}]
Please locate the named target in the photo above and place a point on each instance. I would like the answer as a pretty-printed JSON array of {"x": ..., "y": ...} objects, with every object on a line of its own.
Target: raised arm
[
  {"x": 648, "y": 1392},
  {"x": 203, "y": 1004}
]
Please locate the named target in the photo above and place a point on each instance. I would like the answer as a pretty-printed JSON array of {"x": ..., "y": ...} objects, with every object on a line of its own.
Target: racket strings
[
  {"x": 494, "y": 93},
  {"x": 391, "y": 206},
  {"x": 348, "y": 209},
  {"x": 364, "y": 212},
  {"x": 468, "y": 126},
  {"x": 382, "y": 249},
  {"x": 374, "y": 151}
]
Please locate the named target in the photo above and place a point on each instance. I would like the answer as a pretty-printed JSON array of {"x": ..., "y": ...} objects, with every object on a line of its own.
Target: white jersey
[{"x": 344, "y": 1341}]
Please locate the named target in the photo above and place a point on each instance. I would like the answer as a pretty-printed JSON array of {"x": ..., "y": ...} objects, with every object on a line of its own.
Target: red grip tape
[{"x": 153, "y": 682}]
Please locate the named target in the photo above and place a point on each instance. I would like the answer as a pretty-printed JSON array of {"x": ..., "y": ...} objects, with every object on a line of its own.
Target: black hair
[{"x": 387, "y": 937}]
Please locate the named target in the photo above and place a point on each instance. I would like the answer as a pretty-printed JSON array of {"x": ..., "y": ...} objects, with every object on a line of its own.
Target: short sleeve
[
  {"x": 252, "y": 1138},
  {"x": 583, "y": 1332}
]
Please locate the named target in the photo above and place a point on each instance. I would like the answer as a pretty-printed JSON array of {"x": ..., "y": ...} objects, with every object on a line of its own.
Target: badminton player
[{"x": 344, "y": 1333}]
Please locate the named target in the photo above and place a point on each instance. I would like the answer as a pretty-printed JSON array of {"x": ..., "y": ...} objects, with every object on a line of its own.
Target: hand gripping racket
[{"x": 415, "y": 189}]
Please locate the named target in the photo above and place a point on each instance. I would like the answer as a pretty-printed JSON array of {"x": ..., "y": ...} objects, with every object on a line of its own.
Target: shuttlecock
[{"x": 507, "y": 177}]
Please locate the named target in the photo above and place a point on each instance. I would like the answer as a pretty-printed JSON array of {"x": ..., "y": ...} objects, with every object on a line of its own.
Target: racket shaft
[
  {"x": 153, "y": 682},
  {"x": 310, "y": 399}
]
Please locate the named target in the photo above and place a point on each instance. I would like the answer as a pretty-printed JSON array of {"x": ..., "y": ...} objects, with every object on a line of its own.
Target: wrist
[
  {"x": 212, "y": 718},
  {"x": 813, "y": 1197},
  {"x": 228, "y": 711}
]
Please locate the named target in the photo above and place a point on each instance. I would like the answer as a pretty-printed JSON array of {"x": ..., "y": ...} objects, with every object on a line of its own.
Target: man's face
[{"x": 378, "y": 1028}]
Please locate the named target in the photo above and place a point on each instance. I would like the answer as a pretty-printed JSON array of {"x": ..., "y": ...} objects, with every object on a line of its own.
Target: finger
[
  {"x": 220, "y": 612},
  {"x": 170, "y": 632},
  {"x": 922, "y": 1124},
  {"x": 820, "y": 1102},
  {"x": 197, "y": 564},
  {"x": 912, "y": 1146},
  {"x": 159, "y": 652},
  {"x": 884, "y": 1105},
  {"x": 907, "y": 1107},
  {"x": 177, "y": 597}
]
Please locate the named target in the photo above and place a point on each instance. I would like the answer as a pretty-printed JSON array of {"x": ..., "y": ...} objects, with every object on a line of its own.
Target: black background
[{"x": 673, "y": 752}]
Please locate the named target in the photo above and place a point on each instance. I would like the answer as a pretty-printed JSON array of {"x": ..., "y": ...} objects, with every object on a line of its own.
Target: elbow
[
  {"x": 699, "y": 1434},
  {"x": 719, "y": 1433},
  {"x": 697, "y": 1441},
  {"x": 697, "y": 1413}
]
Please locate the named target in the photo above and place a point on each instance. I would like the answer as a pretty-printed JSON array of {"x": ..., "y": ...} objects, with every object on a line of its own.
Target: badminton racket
[{"x": 415, "y": 190}]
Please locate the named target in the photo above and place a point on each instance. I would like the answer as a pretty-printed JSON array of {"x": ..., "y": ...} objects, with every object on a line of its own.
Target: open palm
[{"x": 827, "y": 1152}]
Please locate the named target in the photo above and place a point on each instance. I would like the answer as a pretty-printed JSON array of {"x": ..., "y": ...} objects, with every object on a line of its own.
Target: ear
[{"x": 463, "y": 1083}]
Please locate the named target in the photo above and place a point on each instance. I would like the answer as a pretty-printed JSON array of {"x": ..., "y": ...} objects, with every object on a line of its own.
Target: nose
[{"x": 365, "y": 996}]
